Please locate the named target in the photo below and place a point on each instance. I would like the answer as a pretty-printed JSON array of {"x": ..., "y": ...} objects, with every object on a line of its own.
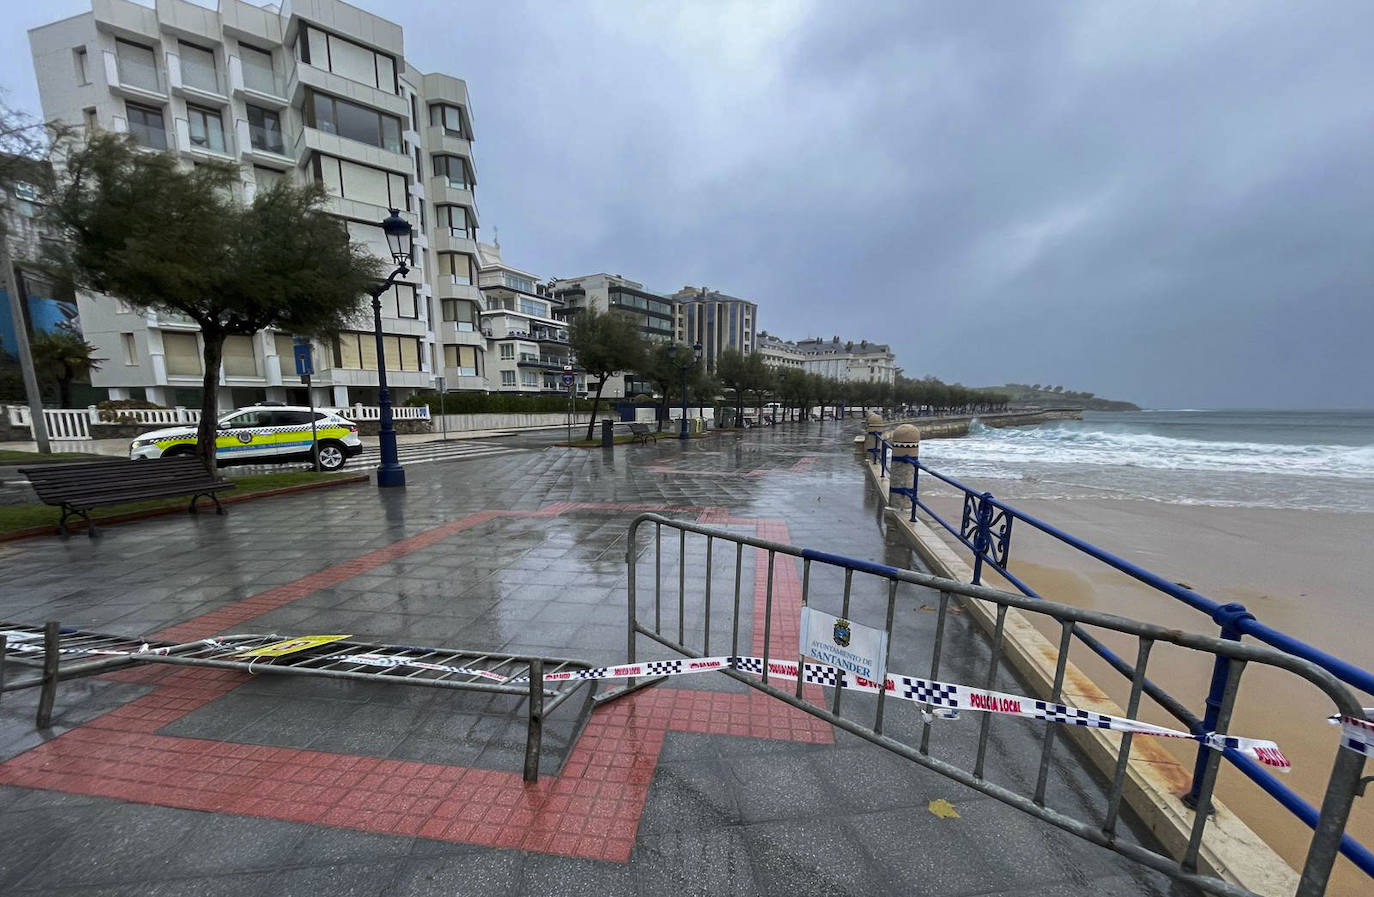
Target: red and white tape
[
  {"x": 1356, "y": 734},
  {"x": 933, "y": 697}
]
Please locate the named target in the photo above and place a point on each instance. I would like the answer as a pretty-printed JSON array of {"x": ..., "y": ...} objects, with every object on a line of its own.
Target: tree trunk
[
  {"x": 596, "y": 401},
  {"x": 208, "y": 428},
  {"x": 64, "y": 389},
  {"x": 739, "y": 407}
]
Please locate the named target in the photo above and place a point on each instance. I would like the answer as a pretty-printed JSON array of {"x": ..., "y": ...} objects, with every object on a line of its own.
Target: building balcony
[
  {"x": 302, "y": 76},
  {"x": 261, "y": 147},
  {"x": 551, "y": 362},
  {"x": 257, "y": 86},
  {"x": 441, "y": 192},
  {"x": 442, "y": 239},
  {"x": 445, "y": 288},
  {"x": 314, "y": 140},
  {"x": 439, "y": 139},
  {"x": 449, "y": 334},
  {"x": 135, "y": 82},
  {"x": 205, "y": 87}
]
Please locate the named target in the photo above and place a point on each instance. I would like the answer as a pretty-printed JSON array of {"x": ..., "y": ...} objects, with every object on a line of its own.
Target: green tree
[
  {"x": 606, "y": 343},
  {"x": 733, "y": 371},
  {"x": 63, "y": 357},
  {"x": 141, "y": 227}
]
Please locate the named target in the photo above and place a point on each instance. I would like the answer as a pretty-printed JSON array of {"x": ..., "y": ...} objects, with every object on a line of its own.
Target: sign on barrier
[{"x": 842, "y": 643}]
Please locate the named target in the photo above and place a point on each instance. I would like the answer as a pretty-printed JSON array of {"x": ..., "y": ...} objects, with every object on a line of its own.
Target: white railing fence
[{"x": 358, "y": 413}]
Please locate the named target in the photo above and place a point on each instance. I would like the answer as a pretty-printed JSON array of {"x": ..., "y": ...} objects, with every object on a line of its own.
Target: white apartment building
[
  {"x": 861, "y": 362},
  {"x": 527, "y": 345},
  {"x": 603, "y": 292},
  {"x": 717, "y": 321},
  {"x": 314, "y": 90}
]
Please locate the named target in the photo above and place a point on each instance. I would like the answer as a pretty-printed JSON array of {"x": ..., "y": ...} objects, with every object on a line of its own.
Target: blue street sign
[
  {"x": 567, "y": 379},
  {"x": 305, "y": 364}
]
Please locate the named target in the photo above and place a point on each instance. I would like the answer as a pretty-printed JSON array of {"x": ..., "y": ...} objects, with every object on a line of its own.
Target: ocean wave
[{"x": 1096, "y": 445}]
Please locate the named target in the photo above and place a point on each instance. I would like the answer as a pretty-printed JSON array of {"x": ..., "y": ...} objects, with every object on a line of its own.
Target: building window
[
  {"x": 335, "y": 116},
  {"x": 457, "y": 267},
  {"x": 89, "y": 115},
  {"x": 524, "y": 285},
  {"x": 80, "y": 57},
  {"x": 460, "y": 313},
  {"x": 507, "y": 351},
  {"x": 198, "y": 68},
  {"x": 146, "y": 126},
  {"x": 508, "y": 378},
  {"x": 264, "y": 130},
  {"x": 137, "y": 65},
  {"x": 257, "y": 70},
  {"x": 400, "y": 301},
  {"x": 455, "y": 218},
  {"x": 181, "y": 352},
  {"x": 454, "y": 170},
  {"x": 358, "y": 351},
  {"x": 530, "y": 307},
  {"x": 449, "y": 117},
  {"x": 362, "y": 183},
  {"x": 207, "y": 128},
  {"x": 529, "y": 378},
  {"x": 240, "y": 360},
  {"x": 130, "y": 349},
  {"x": 267, "y": 178},
  {"x": 344, "y": 57},
  {"x": 464, "y": 358}
]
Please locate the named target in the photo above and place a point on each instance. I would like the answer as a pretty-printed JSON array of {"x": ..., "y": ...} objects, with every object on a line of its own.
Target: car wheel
[
  {"x": 178, "y": 451},
  {"x": 331, "y": 456}
]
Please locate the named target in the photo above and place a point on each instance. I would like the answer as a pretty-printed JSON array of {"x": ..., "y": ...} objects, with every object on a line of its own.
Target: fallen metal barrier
[
  {"x": 785, "y": 661},
  {"x": 546, "y": 681}
]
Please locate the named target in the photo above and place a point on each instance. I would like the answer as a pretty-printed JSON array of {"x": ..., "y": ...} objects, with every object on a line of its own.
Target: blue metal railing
[{"x": 985, "y": 530}]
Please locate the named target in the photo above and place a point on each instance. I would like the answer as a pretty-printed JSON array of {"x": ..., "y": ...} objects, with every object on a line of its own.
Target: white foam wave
[{"x": 1088, "y": 445}]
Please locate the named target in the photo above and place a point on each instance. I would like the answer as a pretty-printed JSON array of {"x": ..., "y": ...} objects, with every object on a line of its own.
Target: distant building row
[
  {"x": 319, "y": 91},
  {"x": 847, "y": 361}
]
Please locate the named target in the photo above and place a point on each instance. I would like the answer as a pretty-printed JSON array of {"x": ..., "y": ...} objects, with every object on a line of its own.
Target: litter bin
[{"x": 607, "y": 433}]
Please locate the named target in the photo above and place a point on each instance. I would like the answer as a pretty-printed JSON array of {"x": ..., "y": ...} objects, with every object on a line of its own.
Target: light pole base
[{"x": 391, "y": 475}]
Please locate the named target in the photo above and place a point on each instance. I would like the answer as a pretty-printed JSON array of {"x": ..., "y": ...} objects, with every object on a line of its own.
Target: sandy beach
[{"x": 1305, "y": 572}]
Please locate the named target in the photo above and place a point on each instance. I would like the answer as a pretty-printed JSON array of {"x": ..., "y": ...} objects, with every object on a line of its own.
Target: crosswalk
[{"x": 428, "y": 452}]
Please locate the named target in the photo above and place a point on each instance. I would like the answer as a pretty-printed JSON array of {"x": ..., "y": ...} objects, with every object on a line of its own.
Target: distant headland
[{"x": 1037, "y": 394}]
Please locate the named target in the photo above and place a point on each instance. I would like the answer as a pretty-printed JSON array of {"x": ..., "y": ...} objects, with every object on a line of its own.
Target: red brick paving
[{"x": 591, "y": 810}]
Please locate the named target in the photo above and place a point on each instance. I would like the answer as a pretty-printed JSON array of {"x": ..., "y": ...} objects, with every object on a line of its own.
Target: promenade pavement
[{"x": 182, "y": 781}]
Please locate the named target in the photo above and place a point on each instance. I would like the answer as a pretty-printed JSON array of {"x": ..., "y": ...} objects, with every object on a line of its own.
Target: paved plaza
[{"x": 170, "y": 780}]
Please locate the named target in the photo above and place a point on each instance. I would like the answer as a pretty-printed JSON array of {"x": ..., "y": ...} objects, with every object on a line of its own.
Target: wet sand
[{"x": 1307, "y": 573}]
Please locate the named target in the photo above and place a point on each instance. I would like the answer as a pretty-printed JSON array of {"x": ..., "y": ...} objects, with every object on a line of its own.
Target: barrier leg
[
  {"x": 535, "y": 736},
  {"x": 51, "y": 638}
]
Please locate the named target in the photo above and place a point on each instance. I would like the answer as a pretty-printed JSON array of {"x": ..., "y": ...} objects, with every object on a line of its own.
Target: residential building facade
[
  {"x": 717, "y": 321},
  {"x": 847, "y": 361},
  {"x": 527, "y": 343},
  {"x": 613, "y": 292},
  {"x": 316, "y": 90}
]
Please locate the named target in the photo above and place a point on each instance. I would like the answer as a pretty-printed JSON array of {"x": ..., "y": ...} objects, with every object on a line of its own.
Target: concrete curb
[
  {"x": 133, "y": 516},
  {"x": 1155, "y": 779}
]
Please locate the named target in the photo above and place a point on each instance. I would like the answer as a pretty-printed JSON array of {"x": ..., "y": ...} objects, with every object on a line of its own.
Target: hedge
[{"x": 501, "y": 403}]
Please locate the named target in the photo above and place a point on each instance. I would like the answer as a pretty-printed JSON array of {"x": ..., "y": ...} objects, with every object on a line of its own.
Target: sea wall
[{"x": 953, "y": 427}]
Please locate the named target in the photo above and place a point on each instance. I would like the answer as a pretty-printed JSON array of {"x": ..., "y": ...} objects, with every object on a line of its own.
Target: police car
[{"x": 262, "y": 434}]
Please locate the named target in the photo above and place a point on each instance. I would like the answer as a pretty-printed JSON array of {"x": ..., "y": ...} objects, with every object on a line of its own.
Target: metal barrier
[
  {"x": 546, "y": 681},
  {"x": 1230, "y": 655},
  {"x": 985, "y": 529}
]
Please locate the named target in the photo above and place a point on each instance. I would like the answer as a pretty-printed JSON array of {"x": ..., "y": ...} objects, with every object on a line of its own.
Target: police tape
[
  {"x": 1356, "y": 734},
  {"x": 933, "y": 697}
]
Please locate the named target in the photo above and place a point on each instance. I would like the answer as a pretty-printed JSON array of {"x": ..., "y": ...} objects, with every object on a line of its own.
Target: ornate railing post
[
  {"x": 906, "y": 446},
  {"x": 873, "y": 432},
  {"x": 1228, "y": 616},
  {"x": 982, "y": 534}
]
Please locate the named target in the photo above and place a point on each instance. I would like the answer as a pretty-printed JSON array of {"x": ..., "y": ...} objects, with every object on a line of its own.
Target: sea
[{"x": 1317, "y": 460}]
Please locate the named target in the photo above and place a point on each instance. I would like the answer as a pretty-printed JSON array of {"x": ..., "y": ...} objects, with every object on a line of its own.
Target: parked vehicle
[{"x": 262, "y": 434}]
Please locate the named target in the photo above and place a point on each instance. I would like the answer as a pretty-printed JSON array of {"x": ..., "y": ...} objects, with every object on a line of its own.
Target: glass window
[
  {"x": 516, "y": 282},
  {"x": 335, "y": 116},
  {"x": 80, "y": 56},
  {"x": 400, "y": 301},
  {"x": 267, "y": 178},
  {"x": 146, "y": 126},
  {"x": 507, "y": 350},
  {"x": 257, "y": 70},
  {"x": 181, "y": 352},
  {"x": 352, "y": 61},
  {"x": 137, "y": 65},
  {"x": 239, "y": 359},
  {"x": 455, "y": 218},
  {"x": 207, "y": 128},
  {"x": 264, "y": 130},
  {"x": 456, "y": 266},
  {"x": 453, "y": 169},
  {"x": 130, "y": 348},
  {"x": 290, "y": 419},
  {"x": 198, "y": 68},
  {"x": 508, "y": 378},
  {"x": 449, "y": 117}
]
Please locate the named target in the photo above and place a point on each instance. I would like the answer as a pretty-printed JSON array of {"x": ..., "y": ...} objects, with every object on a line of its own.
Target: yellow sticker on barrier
[{"x": 292, "y": 645}]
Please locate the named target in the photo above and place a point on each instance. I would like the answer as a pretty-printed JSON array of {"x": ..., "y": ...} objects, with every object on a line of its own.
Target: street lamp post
[
  {"x": 390, "y": 473},
  {"x": 684, "y": 367}
]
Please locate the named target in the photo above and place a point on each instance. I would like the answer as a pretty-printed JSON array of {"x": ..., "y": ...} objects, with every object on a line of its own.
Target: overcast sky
[{"x": 1171, "y": 203}]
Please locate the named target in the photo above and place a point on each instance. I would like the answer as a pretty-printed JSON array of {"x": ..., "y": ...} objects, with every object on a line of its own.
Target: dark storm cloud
[{"x": 1166, "y": 202}]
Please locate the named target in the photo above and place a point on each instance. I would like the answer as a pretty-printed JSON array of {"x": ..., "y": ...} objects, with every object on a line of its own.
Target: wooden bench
[
  {"x": 78, "y": 487},
  {"x": 642, "y": 433}
]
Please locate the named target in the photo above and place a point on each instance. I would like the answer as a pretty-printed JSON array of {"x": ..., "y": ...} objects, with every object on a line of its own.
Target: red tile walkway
[{"x": 592, "y": 809}]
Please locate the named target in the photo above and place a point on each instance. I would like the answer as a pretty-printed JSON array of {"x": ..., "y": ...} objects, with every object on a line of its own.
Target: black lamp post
[
  {"x": 398, "y": 238},
  {"x": 685, "y": 366}
]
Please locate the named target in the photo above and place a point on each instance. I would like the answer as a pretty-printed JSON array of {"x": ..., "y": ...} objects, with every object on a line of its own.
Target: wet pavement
[{"x": 182, "y": 781}]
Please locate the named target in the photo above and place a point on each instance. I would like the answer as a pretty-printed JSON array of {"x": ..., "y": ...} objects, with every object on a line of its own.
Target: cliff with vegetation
[{"x": 1058, "y": 396}]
